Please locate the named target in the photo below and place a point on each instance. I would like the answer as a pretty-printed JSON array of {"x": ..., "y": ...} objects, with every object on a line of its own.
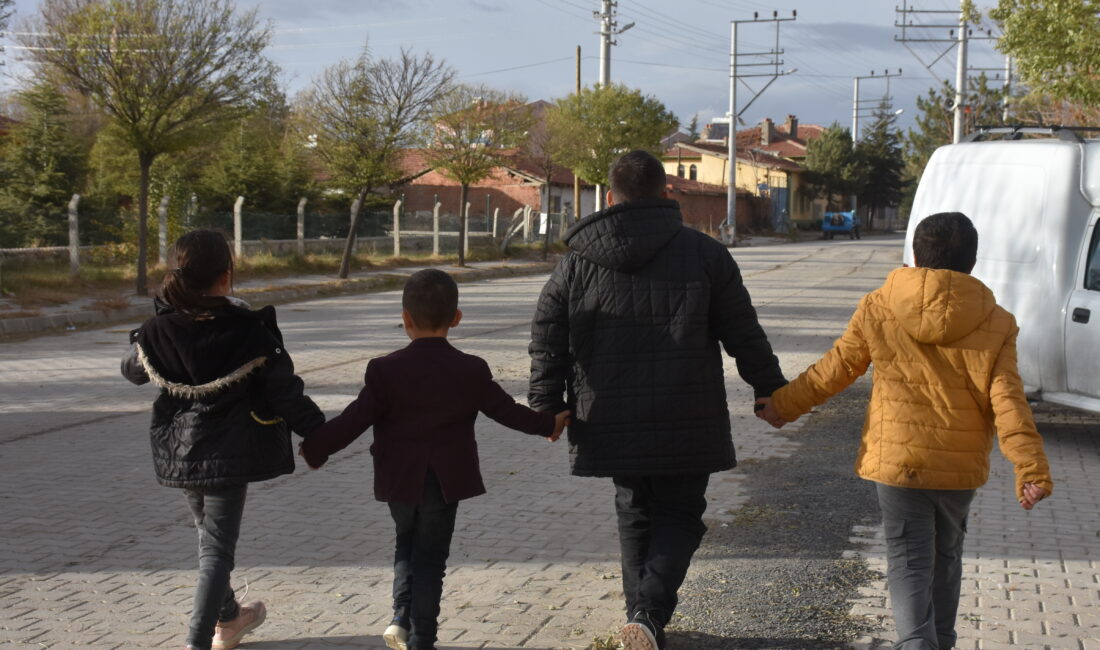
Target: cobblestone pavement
[{"x": 94, "y": 553}]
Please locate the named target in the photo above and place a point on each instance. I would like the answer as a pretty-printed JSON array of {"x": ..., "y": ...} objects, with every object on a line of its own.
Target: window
[
  {"x": 1092, "y": 269},
  {"x": 680, "y": 170},
  {"x": 693, "y": 173}
]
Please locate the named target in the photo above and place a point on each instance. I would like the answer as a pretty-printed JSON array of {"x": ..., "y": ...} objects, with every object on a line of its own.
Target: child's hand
[
  {"x": 302, "y": 453},
  {"x": 765, "y": 411},
  {"x": 1032, "y": 494},
  {"x": 561, "y": 420}
]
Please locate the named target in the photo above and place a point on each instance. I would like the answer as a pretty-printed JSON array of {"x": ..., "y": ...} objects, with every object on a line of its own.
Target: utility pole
[
  {"x": 609, "y": 28},
  {"x": 859, "y": 109},
  {"x": 960, "y": 80},
  {"x": 913, "y": 31},
  {"x": 728, "y": 230},
  {"x": 576, "y": 179},
  {"x": 859, "y": 106}
]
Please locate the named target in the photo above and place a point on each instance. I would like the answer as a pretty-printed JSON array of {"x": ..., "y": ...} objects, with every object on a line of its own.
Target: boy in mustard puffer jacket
[{"x": 945, "y": 381}]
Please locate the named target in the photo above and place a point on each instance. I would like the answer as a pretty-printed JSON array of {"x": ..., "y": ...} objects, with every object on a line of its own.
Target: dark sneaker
[
  {"x": 641, "y": 633},
  {"x": 396, "y": 635}
]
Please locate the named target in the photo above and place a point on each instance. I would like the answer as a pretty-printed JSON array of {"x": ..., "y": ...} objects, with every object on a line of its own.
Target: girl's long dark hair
[{"x": 200, "y": 257}]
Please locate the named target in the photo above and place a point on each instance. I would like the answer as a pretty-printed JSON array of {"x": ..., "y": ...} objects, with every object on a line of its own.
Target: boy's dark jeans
[
  {"x": 660, "y": 527},
  {"x": 420, "y": 559},
  {"x": 924, "y": 544},
  {"x": 217, "y": 515}
]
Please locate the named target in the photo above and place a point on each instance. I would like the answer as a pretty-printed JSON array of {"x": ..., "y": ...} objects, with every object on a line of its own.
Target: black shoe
[
  {"x": 641, "y": 633},
  {"x": 396, "y": 635}
]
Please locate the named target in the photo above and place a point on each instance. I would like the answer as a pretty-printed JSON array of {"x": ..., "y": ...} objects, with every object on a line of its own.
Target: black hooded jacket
[
  {"x": 228, "y": 400},
  {"x": 627, "y": 334}
]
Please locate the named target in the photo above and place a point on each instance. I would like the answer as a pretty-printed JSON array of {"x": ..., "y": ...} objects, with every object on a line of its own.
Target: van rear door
[{"x": 1083, "y": 318}]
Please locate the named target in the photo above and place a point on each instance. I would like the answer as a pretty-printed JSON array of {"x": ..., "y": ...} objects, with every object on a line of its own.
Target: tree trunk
[
  {"x": 462, "y": 225},
  {"x": 349, "y": 244},
  {"x": 146, "y": 162}
]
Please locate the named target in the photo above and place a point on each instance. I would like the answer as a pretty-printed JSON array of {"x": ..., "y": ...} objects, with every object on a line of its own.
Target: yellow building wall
[{"x": 712, "y": 169}]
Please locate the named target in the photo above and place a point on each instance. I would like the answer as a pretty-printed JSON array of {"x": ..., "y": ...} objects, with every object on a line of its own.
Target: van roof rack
[{"x": 1015, "y": 132}]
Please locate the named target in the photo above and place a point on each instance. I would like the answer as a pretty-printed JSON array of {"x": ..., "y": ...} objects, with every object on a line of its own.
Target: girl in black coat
[{"x": 228, "y": 401}]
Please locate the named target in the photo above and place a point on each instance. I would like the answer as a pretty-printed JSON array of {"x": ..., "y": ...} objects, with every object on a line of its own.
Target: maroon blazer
[{"x": 422, "y": 402}]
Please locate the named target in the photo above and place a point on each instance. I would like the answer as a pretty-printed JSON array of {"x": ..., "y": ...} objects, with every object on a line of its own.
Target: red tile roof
[{"x": 676, "y": 184}]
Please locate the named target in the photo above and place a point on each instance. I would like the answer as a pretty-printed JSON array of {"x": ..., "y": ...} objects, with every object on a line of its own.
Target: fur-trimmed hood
[{"x": 199, "y": 358}]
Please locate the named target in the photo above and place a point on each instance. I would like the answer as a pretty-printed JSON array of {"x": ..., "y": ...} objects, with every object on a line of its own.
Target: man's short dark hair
[
  {"x": 637, "y": 175},
  {"x": 947, "y": 240},
  {"x": 431, "y": 298}
]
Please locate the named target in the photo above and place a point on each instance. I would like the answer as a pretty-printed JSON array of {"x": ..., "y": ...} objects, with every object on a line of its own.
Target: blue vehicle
[{"x": 842, "y": 222}]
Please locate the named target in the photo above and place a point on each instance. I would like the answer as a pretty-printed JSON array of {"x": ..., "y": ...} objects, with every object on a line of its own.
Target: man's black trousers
[{"x": 660, "y": 527}]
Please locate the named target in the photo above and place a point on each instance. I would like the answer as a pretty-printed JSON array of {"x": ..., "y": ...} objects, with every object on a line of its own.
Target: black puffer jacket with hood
[
  {"x": 228, "y": 396},
  {"x": 627, "y": 334}
]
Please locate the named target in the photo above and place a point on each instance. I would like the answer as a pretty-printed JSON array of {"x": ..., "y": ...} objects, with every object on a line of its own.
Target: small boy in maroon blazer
[{"x": 422, "y": 401}]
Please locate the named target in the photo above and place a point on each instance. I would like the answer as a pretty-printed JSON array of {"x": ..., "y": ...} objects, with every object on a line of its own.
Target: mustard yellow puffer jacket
[{"x": 945, "y": 381}]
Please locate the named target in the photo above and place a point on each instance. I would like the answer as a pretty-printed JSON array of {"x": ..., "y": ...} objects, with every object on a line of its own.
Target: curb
[{"x": 68, "y": 321}]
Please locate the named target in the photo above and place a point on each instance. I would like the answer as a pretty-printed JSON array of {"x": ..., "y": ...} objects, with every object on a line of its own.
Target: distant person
[
  {"x": 422, "y": 401},
  {"x": 945, "y": 380},
  {"x": 629, "y": 333},
  {"x": 228, "y": 401}
]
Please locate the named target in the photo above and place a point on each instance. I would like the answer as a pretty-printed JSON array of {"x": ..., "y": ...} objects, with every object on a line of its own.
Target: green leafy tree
[
  {"x": 42, "y": 168},
  {"x": 597, "y": 125},
  {"x": 881, "y": 155},
  {"x": 693, "y": 128},
  {"x": 833, "y": 169},
  {"x": 1055, "y": 45},
  {"x": 476, "y": 129},
  {"x": 167, "y": 72},
  {"x": 359, "y": 115}
]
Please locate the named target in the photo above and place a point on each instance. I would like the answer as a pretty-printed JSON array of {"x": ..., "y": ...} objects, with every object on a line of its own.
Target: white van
[{"x": 1036, "y": 205}]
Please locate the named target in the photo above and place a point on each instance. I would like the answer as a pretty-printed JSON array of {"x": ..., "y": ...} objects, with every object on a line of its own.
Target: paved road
[{"x": 93, "y": 552}]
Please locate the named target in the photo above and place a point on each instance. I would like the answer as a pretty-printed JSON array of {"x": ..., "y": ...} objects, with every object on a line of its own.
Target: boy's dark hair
[
  {"x": 637, "y": 175},
  {"x": 947, "y": 240},
  {"x": 431, "y": 298},
  {"x": 200, "y": 258}
]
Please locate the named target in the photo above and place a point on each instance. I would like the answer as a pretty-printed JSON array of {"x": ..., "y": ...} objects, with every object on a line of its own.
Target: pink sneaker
[{"x": 228, "y": 635}]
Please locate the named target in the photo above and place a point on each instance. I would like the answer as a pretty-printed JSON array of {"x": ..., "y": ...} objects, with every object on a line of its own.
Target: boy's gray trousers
[{"x": 924, "y": 543}]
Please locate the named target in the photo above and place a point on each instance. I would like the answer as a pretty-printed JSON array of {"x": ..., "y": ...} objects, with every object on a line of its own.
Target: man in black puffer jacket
[{"x": 628, "y": 334}]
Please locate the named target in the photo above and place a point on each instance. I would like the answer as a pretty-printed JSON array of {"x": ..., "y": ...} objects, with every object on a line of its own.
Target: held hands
[
  {"x": 765, "y": 411},
  {"x": 302, "y": 453},
  {"x": 1032, "y": 494},
  {"x": 561, "y": 420}
]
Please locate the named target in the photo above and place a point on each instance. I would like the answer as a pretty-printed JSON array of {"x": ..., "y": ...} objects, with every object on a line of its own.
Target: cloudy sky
[{"x": 677, "y": 51}]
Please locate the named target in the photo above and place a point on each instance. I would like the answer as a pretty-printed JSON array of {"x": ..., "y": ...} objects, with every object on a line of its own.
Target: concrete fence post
[
  {"x": 238, "y": 246},
  {"x": 435, "y": 227},
  {"x": 74, "y": 236},
  {"x": 162, "y": 231},
  {"x": 397, "y": 229},
  {"x": 496, "y": 220},
  {"x": 302, "y": 226},
  {"x": 466, "y": 241}
]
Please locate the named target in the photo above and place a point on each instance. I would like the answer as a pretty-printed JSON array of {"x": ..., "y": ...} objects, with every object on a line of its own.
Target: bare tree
[
  {"x": 540, "y": 148},
  {"x": 166, "y": 71},
  {"x": 361, "y": 114},
  {"x": 476, "y": 128}
]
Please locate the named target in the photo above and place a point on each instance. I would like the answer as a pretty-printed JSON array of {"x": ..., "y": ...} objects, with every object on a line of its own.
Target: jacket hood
[
  {"x": 196, "y": 358},
  {"x": 937, "y": 306},
  {"x": 626, "y": 236}
]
